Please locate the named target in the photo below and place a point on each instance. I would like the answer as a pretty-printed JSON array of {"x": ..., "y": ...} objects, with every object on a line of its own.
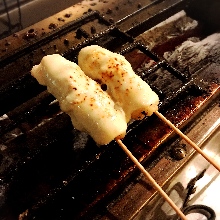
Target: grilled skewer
[
  {"x": 71, "y": 89},
  {"x": 75, "y": 91},
  {"x": 126, "y": 87}
]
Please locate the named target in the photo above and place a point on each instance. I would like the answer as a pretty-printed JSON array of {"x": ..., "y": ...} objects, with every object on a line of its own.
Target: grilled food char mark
[
  {"x": 134, "y": 95},
  {"x": 90, "y": 108},
  {"x": 103, "y": 114}
]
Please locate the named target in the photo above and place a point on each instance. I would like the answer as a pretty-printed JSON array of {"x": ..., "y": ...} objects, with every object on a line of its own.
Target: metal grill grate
[{"x": 48, "y": 167}]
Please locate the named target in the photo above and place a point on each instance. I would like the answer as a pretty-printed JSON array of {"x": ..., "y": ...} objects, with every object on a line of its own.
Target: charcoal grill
[{"x": 49, "y": 170}]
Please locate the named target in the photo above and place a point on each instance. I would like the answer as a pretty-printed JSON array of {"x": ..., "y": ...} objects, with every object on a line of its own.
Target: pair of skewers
[
  {"x": 86, "y": 102},
  {"x": 150, "y": 178}
]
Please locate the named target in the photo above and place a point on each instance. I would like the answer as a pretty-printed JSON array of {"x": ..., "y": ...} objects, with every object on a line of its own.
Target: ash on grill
[{"x": 50, "y": 170}]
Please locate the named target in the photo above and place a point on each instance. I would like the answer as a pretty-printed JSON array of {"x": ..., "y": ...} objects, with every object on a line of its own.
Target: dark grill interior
[{"x": 48, "y": 169}]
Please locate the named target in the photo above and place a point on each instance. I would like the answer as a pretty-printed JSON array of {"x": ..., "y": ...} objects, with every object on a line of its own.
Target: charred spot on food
[
  {"x": 31, "y": 33},
  {"x": 93, "y": 4},
  {"x": 111, "y": 74},
  {"x": 144, "y": 112},
  {"x": 104, "y": 87},
  {"x": 178, "y": 152},
  {"x": 52, "y": 26}
]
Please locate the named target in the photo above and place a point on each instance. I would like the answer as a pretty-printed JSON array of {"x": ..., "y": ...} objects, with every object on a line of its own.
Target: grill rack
[
  {"x": 26, "y": 149},
  {"x": 56, "y": 33},
  {"x": 8, "y": 92}
]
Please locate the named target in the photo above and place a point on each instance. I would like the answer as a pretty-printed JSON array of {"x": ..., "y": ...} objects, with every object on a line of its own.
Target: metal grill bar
[
  {"x": 61, "y": 160},
  {"x": 44, "y": 39}
]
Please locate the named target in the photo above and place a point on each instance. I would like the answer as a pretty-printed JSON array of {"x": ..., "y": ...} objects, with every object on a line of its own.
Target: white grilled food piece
[
  {"x": 123, "y": 85},
  {"x": 91, "y": 109}
]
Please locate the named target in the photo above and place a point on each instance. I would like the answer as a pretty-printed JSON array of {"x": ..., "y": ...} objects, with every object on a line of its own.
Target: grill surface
[{"x": 48, "y": 169}]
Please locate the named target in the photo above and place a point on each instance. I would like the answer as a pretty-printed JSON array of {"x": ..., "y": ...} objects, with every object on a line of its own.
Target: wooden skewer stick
[
  {"x": 216, "y": 165},
  {"x": 150, "y": 178}
]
